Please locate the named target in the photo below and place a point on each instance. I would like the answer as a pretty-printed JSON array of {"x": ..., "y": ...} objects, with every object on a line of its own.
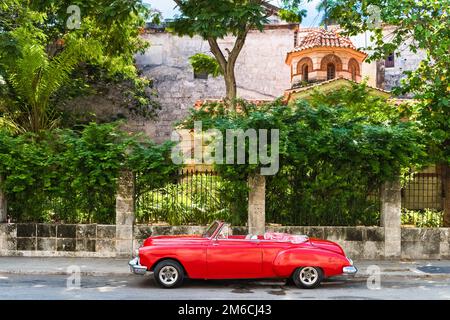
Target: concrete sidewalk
[{"x": 108, "y": 267}]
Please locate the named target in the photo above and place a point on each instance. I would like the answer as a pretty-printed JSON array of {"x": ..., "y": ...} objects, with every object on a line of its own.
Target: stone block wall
[
  {"x": 361, "y": 243},
  {"x": 423, "y": 243},
  {"x": 32, "y": 239}
]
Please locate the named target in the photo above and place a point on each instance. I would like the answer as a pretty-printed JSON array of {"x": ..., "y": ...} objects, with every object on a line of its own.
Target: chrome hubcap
[
  {"x": 168, "y": 275},
  {"x": 309, "y": 275}
]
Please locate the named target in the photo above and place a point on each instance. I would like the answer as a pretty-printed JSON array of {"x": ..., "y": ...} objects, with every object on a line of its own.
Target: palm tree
[
  {"x": 33, "y": 76},
  {"x": 325, "y": 6}
]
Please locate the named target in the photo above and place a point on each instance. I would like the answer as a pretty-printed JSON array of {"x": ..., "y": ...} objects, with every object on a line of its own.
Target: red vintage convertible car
[{"x": 218, "y": 255}]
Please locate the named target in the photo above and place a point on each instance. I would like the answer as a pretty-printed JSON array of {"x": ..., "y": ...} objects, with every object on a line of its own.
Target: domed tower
[{"x": 324, "y": 55}]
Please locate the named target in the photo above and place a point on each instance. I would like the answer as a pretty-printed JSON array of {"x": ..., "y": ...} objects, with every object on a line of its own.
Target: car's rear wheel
[
  {"x": 307, "y": 277},
  {"x": 169, "y": 274}
]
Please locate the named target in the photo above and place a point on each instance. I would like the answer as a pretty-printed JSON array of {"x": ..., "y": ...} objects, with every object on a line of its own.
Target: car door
[{"x": 233, "y": 259}]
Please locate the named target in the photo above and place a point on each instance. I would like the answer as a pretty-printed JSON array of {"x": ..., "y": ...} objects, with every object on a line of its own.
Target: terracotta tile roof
[{"x": 324, "y": 38}]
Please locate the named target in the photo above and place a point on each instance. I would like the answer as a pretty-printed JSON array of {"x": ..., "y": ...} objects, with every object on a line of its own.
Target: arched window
[
  {"x": 331, "y": 71},
  {"x": 353, "y": 72},
  {"x": 305, "y": 73},
  {"x": 353, "y": 68},
  {"x": 305, "y": 62}
]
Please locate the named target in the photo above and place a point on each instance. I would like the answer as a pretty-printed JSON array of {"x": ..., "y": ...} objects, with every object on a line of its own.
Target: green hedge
[{"x": 71, "y": 176}]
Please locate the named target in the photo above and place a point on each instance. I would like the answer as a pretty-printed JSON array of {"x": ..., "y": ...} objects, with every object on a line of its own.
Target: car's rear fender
[{"x": 287, "y": 261}]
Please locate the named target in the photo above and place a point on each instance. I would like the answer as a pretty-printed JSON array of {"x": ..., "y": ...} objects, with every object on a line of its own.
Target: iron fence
[
  {"x": 296, "y": 201},
  {"x": 423, "y": 198},
  {"x": 194, "y": 197},
  {"x": 199, "y": 197},
  {"x": 423, "y": 190}
]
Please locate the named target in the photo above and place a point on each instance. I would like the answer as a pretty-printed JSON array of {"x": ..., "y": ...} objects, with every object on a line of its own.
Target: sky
[{"x": 167, "y": 9}]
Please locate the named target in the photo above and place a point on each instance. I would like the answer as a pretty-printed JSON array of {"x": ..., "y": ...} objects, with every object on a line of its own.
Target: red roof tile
[{"x": 324, "y": 38}]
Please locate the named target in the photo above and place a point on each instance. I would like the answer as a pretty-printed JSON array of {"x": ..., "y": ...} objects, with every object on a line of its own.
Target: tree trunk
[{"x": 230, "y": 83}]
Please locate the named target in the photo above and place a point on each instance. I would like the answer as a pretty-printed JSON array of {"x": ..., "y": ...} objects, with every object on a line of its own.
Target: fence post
[
  {"x": 391, "y": 211},
  {"x": 446, "y": 193},
  {"x": 3, "y": 205},
  {"x": 257, "y": 204},
  {"x": 125, "y": 214}
]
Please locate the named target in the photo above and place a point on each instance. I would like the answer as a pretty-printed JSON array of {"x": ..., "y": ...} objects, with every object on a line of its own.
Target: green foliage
[
  {"x": 218, "y": 18},
  {"x": 291, "y": 11},
  {"x": 191, "y": 199},
  {"x": 324, "y": 6},
  {"x": 215, "y": 19},
  {"x": 45, "y": 63},
  {"x": 335, "y": 151},
  {"x": 70, "y": 176},
  {"x": 202, "y": 63},
  {"x": 421, "y": 25},
  {"x": 34, "y": 77},
  {"x": 423, "y": 219}
]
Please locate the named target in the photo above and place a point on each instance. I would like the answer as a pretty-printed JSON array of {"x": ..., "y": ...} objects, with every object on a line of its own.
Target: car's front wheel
[
  {"x": 307, "y": 277},
  {"x": 169, "y": 274}
]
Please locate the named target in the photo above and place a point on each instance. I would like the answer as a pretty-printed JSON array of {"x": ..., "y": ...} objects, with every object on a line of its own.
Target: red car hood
[
  {"x": 151, "y": 240},
  {"x": 327, "y": 245}
]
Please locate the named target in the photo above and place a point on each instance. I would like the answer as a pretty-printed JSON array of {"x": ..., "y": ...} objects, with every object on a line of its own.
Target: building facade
[{"x": 281, "y": 57}]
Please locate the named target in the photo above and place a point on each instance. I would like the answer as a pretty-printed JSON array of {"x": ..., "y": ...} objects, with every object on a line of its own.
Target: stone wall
[
  {"x": 406, "y": 61},
  {"x": 425, "y": 243},
  {"x": 47, "y": 240},
  {"x": 261, "y": 72},
  {"x": 31, "y": 239}
]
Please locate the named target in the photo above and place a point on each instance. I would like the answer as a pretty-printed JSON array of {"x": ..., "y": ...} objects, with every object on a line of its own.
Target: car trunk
[{"x": 327, "y": 245}]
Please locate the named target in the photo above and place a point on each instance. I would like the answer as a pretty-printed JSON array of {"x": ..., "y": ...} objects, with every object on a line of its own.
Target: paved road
[{"x": 50, "y": 287}]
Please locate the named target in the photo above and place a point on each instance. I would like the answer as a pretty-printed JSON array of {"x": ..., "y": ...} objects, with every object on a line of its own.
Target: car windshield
[{"x": 211, "y": 229}]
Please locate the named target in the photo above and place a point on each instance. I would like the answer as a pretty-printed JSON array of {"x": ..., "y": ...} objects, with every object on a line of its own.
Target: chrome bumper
[
  {"x": 136, "y": 268},
  {"x": 351, "y": 270}
]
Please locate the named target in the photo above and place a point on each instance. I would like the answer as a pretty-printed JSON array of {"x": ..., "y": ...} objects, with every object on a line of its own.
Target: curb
[
  {"x": 64, "y": 273},
  {"x": 357, "y": 277}
]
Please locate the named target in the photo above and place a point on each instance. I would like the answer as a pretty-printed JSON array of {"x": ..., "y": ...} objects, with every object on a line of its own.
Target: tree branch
[
  {"x": 238, "y": 45},
  {"x": 217, "y": 52}
]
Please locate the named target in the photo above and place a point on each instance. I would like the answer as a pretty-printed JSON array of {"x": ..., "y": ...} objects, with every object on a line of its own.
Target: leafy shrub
[
  {"x": 195, "y": 198},
  {"x": 423, "y": 219},
  {"x": 202, "y": 63},
  {"x": 71, "y": 176},
  {"x": 336, "y": 149}
]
